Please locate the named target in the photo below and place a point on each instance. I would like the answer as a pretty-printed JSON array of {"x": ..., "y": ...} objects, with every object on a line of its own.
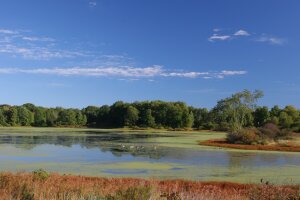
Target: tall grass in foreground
[{"x": 43, "y": 186}]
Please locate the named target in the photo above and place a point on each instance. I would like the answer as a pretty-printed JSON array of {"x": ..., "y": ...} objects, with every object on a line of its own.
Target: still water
[{"x": 142, "y": 154}]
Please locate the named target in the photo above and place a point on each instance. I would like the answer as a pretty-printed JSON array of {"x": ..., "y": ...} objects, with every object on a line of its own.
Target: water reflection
[
  {"x": 139, "y": 145},
  {"x": 140, "y": 155},
  {"x": 117, "y": 143}
]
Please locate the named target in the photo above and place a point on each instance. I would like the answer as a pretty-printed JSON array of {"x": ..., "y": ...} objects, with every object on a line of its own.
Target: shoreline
[
  {"x": 125, "y": 129},
  {"x": 222, "y": 143}
]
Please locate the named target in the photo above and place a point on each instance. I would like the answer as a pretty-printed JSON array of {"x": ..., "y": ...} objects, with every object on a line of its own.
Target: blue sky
[{"x": 75, "y": 53}]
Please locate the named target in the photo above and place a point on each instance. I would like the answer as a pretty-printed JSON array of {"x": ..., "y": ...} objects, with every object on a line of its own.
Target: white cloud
[
  {"x": 6, "y": 31},
  {"x": 38, "y": 53},
  {"x": 121, "y": 71},
  {"x": 92, "y": 3},
  {"x": 184, "y": 74},
  {"x": 224, "y": 73},
  {"x": 271, "y": 40},
  {"x": 207, "y": 77},
  {"x": 241, "y": 33},
  {"x": 230, "y": 73},
  {"x": 96, "y": 71},
  {"x": 216, "y": 37},
  {"x": 38, "y": 39},
  {"x": 12, "y": 42}
]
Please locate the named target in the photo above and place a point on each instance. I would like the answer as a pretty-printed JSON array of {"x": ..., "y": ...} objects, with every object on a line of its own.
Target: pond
[{"x": 117, "y": 153}]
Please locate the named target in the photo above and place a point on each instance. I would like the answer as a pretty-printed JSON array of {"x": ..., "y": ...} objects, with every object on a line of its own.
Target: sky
[{"x": 75, "y": 53}]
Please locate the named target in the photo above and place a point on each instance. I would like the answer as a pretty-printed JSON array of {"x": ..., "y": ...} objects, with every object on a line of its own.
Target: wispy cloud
[
  {"x": 241, "y": 33},
  {"x": 19, "y": 43},
  {"x": 38, "y": 39},
  {"x": 7, "y": 31},
  {"x": 38, "y": 53},
  {"x": 271, "y": 40},
  {"x": 230, "y": 73},
  {"x": 122, "y": 71},
  {"x": 216, "y": 37},
  {"x": 184, "y": 74},
  {"x": 225, "y": 73},
  {"x": 92, "y": 3}
]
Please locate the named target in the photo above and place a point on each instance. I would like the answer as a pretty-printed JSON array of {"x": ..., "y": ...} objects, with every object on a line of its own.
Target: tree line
[{"x": 231, "y": 113}]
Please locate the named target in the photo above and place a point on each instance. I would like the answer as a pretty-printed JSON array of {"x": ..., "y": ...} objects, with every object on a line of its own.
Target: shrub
[
  {"x": 284, "y": 134},
  {"x": 26, "y": 193},
  {"x": 245, "y": 136},
  {"x": 210, "y": 126},
  {"x": 22, "y": 191},
  {"x": 272, "y": 127},
  {"x": 223, "y": 126},
  {"x": 4, "y": 180},
  {"x": 269, "y": 131},
  {"x": 40, "y": 174},
  {"x": 132, "y": 193}
]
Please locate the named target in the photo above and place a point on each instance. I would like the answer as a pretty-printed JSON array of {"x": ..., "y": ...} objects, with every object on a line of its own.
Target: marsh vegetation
[{"x": 35, "y": 186}]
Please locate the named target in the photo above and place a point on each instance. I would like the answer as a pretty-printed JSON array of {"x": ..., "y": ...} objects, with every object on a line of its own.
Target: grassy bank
[
  {"x": 290, "y": 147},
  {"x": 82, "y": 129},
  {"x": 40, "y": 185}
]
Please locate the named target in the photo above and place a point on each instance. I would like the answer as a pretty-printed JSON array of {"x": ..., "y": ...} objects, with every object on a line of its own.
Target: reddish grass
[
  {"x": 24, "y": 186},
  {"x": 223, "y": 143}
]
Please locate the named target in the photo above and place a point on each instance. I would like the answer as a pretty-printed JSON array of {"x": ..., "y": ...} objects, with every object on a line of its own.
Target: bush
[
  {"x": 245, "y": 136},
  {"x": 223, "y": 126},
  {"x": 22, "y": 191},
  {"x": 210, "y": 126},
  {"x": 272, "y": 131},
  {"x": 132, "y": 193},
  {"x": 284, "y": 134},
  {"x": 269, "y": 131},
  {"x": 40, "y": 174}
]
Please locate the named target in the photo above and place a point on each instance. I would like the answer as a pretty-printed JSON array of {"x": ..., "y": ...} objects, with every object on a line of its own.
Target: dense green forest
[{"x": 239, "y": 110}]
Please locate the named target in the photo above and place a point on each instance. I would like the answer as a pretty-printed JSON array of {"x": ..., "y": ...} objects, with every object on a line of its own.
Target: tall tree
[
  {"x": 131, "y": 116},
  {"x": 146, "y": 118},
  {"x": 12, "y": 116},
  {"x": 285, "y": 121},
  {"x": 25, "y": 117},
  {"x": 237, "y": 109},
  {"x": 103, "y": 118},
  {"x": 91, "y": 113},
  {"x": 67, "y": 117},
  {"x": 200, "y": 117},
  {"x": 51, "y": 117},
  {"x": 261, "y": 116},
  {"x": 117, "y": 114},
  {"x": 2, "y": 118},
  {"x": 40, "y": 117}
]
